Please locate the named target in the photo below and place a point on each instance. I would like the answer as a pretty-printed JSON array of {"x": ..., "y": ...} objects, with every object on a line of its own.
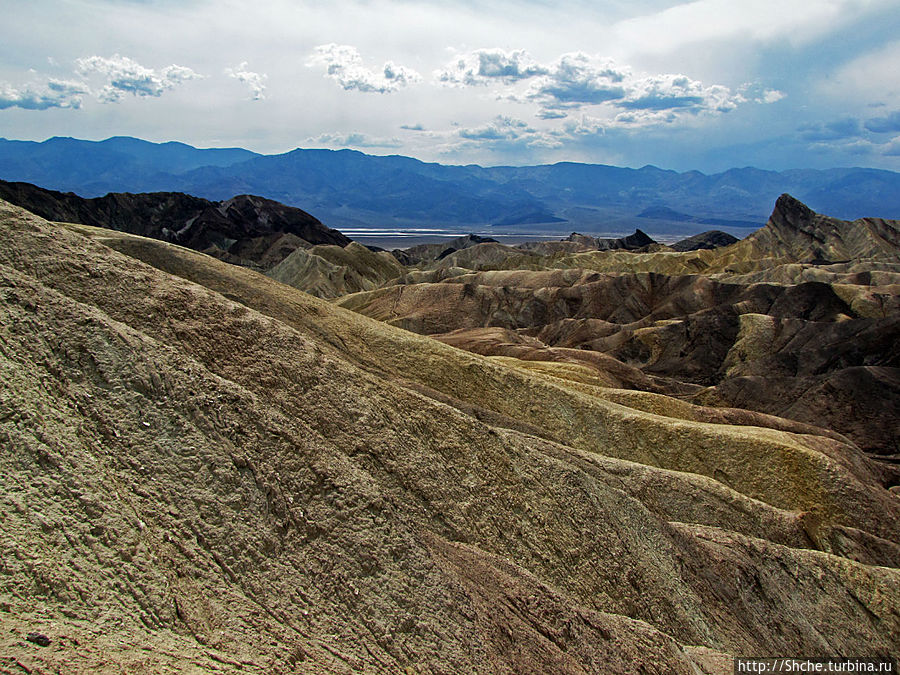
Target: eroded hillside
[
  {"x": 206, "y": 469},
  {"x": 800, "y": 320}
]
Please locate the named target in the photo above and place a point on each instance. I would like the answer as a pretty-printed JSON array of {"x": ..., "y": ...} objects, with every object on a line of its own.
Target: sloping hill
[
  {"x": 204, "y": 467},
  {"x": 333, "y": 271}
]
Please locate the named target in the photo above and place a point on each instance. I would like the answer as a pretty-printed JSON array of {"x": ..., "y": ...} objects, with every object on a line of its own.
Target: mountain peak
[
  {"x": 791, "y": 211},
  {"x": 796, "y": 231}
]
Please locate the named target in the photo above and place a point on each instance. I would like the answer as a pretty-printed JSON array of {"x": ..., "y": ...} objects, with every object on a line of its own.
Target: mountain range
[{"x": 347, "y": 188}]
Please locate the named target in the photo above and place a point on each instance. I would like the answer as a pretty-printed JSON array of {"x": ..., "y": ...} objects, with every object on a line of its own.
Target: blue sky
[{"x": 707, "y": 85}]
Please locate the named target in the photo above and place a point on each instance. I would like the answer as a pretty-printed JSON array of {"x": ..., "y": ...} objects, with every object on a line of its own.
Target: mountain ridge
[
  {"x": 245, "y": 229},
  {"x": 348, "y": 187}
]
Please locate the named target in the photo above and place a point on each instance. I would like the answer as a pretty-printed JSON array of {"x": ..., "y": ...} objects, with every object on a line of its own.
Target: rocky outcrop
[
  {"x": 710, "y": 239},
  {"x": 796, "y": 232},
  {"x": 426, "y": 253},
  {"x": 244, "y": 229},
  {"x": 630, "y": 243}
]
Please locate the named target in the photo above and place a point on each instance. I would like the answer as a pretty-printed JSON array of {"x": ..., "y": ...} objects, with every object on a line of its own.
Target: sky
[{"x": 704, "y": 85}]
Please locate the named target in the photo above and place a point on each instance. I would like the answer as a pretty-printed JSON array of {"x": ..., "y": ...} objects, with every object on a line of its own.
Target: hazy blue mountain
[
  {"x": 94, "y": 168},
  {"x": 345, "y": 187}
]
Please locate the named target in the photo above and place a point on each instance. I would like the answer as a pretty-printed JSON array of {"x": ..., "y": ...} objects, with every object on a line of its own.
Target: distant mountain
[
  {"x": 346, "y": 187},
  {"x": 118, "y": 164}
]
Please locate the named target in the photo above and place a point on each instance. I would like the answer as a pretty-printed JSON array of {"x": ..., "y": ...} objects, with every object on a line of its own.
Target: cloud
[
  {"x": 251, "y": 79},
  {"x": 502, "y": 128},
  {"x": 551, "y": 114},
  {"x": 847, "y": 127},
  {"x": 670, "y": 92},
  {"x": 578, "y": 79},
  {"x": 892, "y": 148},
  {"x": 754, "y": 92},
  {"x": 344, "y": 65},
  {"x": 126, "y": 76},
  {"x": 869, "y": 78},
  {"x": 505, "y": 133},
  {"x": 354, "y": 139},
  {"x": 50, "y": 94},
  {"x": 883, "y": 125},
  {"x": 483, "y": 66},
  {"x": 413, "y": 127}
]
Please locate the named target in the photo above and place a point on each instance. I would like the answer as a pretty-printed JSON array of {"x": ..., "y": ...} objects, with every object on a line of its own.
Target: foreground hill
[{"x": 204, "y": 468}]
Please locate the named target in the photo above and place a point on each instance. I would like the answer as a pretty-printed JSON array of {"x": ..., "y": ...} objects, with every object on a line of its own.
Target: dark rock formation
[
  {"x": 244, "y": 229},
  {"x": 710, "y": 239},
  {"x": 796, "y": 232},
  {"x": 630, "y": 243}
]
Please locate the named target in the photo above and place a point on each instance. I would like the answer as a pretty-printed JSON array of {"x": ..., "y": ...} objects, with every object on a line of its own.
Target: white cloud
[
  {"x": 126, "y": 76},
  {"x": 255, "y": 81},
  {"x": 344, "y": 64},
  {"x": 500, "y": 128},
  {"x": 354, "y": 139},
  {"x": 504, "y": 132},
  {"x": 578, "y": 80},
  {"x": 50, "y": 94},
  {"x": 486, "y": 65},
  {"x": 676, "y": 92}
]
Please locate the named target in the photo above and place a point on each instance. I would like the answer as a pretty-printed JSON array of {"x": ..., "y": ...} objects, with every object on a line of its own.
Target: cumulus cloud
[
  {"x": 884, "y": 125},
  {"x": 483, "y": 66},
  {"x": 754, "y": 92},
  {"x": 413, "y": 127},
  {"x": 551, "y": 114},
  {"x": 50, "y": 94},
  {"x": 126, "y": 76},
  {"x": 344, "y": 65},
  {"x": 504, "y": 132},
  {"x": 354, "y": 139},
  {"x": 255, "y": 81},
  {"x": 500, "y": 128},
  {"x": 578, "y": 80}
]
